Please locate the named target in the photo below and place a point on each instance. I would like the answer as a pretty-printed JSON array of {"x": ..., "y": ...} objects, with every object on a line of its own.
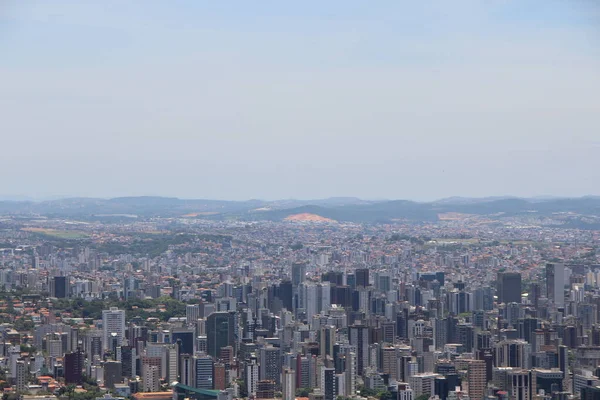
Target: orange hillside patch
[{"x": 308, "y": 217}]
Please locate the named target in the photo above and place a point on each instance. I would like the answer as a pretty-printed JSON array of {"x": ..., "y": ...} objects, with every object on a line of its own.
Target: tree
[
  {"x": 243, "y": 388},
  {"x": 302, "y": 392},
  {"x": 28, "y": 349},
  {"x": 385, "y": 395},
  {"x": 422, "y": 397},
  {"x": 10, "y": 396},
  {"x": 366, "y": 392}
]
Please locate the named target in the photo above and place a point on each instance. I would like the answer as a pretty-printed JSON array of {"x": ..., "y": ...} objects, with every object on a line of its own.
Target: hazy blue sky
[{"x": 305, "y": 99}]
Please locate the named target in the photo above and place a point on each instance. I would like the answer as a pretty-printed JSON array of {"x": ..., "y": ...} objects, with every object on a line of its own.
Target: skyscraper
[
  {"x": 219, "y": 376},
  {"x": 265, "y": 389},
  {"x": 520, "y": 385},
  {"x": 186, "y": 369},
  {"x": 21, "y": 376},
  {"x": 298, "y": 274},
  {"x": 350, "y": 373},
  {"x": 73, "y": 366},
  {"x": 184, "y": 338},
  {"x": 204, "y": 372},
  {"x": 113, "y": 327},
  {"x": 192, "y": 313},
  {"x": 328, "y": 383},
  {"x": 404, "y": 392},
  {"x": 476, "y": 378},
  {"x": 220, "y": 331},
  {"x": 285, "y": 292},
  {"x": 113, "y": 373},
  {"x": 389, "y": 362},
  {"x": 151, "y": 378},
  {"x": 128, "y": 361},
  {"x": 534, "y": 294},
  {"x": 359, "y": 337},
  {"x": 362, "y": 277},
  {"x": 326, "y": 340},
  {"x": 270, "y": 364},
  {"x": 173, "y": 361},
  {"x": 251, "y": 377},
  {"x": 508, "y": 287},
  {"x": 555, "y": 283},
  {"x": 423, "y": 384},
  {"x": 288, "y": 382},
  {"x": 512, "y": 353},
  {"x": 59, "y": 287}
]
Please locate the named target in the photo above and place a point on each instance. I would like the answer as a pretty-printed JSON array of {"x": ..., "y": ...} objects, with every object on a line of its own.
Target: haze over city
[
  {"x": 398, "y": 100},
  {"x": 310, "y": 200}
]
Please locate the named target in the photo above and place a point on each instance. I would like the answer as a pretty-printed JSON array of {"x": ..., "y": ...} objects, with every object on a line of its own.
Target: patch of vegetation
[
  {"x": 151, "y": 245},
  {"x": 56, "y": 234},
  {"x": 148, "y": 308}
]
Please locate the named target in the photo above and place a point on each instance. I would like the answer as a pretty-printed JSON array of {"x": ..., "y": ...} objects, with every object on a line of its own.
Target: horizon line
[{"x": 42, "y": 199}]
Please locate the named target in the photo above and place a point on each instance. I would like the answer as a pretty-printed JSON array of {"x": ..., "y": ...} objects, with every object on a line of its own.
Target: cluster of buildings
[{"x": 323, "y": 312}]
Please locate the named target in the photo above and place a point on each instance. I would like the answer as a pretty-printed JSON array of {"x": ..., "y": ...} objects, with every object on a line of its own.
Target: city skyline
[{"x": 307, "y": 200}]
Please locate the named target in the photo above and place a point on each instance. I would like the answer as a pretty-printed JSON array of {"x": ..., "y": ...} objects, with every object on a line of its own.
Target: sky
[{"x": 310, "y": 99}]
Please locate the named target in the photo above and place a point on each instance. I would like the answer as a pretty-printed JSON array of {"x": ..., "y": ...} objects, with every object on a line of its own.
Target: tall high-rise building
[
  {"x": 184, "y": 338},
  {"x": 404, "y": 391},
  {"x": 113, "y": 373},
  {"x": 270, "y": 364},
  {"x": 350, "y": 373},
  {"x": 302, "y": 372},
  {"x": 388, "y": 332},
  {"x": 265, "y": 389},
  {"x": 535, "y": 293},
  {"x": 362, "y": 277},
  {"x": 113, "y": 327},
  {"x": 512, "y": 353},
  {"x": 589, "y": 393},
  {"x": 93, "y": 342},
  {"x": 130, "y": 287},
  {"x": 549, "y": 380},
  {"x": 186, "y": 369},
  {"x": 220, "y": 331},
  {"x": 151, "y": 378},
  {"x": 508, "y": 287},
  {"x": 288, "y": 382},
  {"x": 173, "y": 361},
  {"x": 298, "y": 274},
  {"x": 423, "y": 384},
  {"x": 127, "y": 356},
  {"x": 21, "y": 376},
  {"x": 285, "y": 292},
  {"x": 59, "y": 287},
  {"x": 442, "y": 387},
  {"x": 359, "y": 337},
  {"x": 476, "y": 379},
  {"x": 152, "y": 361},
  {"x": 326, "y": 340},
  {"x": 389, "y": 362},
  {"x": 192, "y": 313},
  {"x": 219, "y": 376},
  {"x": 384, "y": 282},
  {"x": 335, "y": 277},
  {"x": 519, "y": 384},
  {"x": 204, "y": 372},
  {"x": 73, "y": 366},
  {"x": 555, "y": 283},
  {"x": 251, "y": 377},
  {"x": 328, "y": 383}
]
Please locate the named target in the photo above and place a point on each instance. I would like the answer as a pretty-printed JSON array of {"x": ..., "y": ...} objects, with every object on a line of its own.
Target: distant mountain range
[{"x": 348, "y": 209}]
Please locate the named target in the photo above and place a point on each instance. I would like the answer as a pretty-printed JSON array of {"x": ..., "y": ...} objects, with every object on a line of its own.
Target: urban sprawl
[{"x": 185, "y": 307}]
